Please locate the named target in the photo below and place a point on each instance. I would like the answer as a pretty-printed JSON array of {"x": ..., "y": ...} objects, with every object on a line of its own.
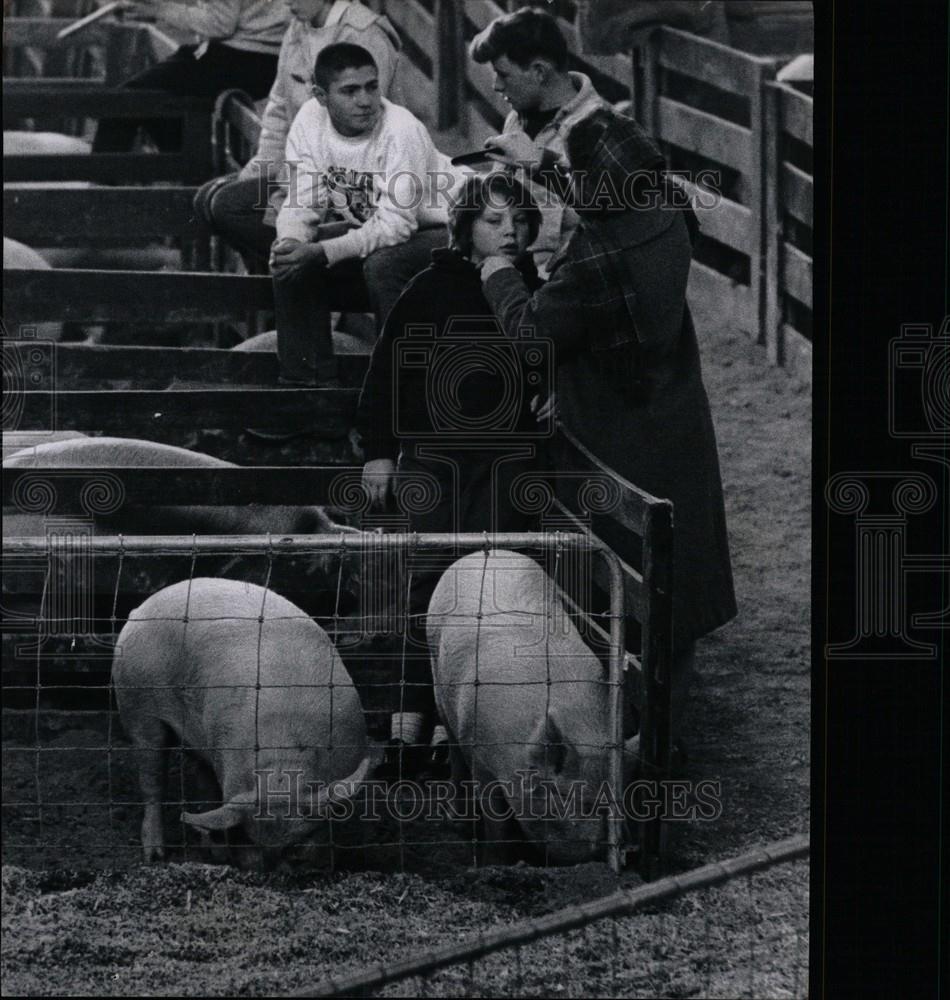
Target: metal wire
[
  {"x": 624, "y": 904},
  {"x": 343, "y": 546}
]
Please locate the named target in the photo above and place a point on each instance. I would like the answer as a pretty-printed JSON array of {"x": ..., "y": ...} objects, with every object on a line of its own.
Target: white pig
[
  {"x": 112, "y": 452},
  {"x": 538, "y": 716},
  {"x": 20, "y": 143},
  {"x": 225, "y": 667},
  {"x": 17, "y": 256},
  {"x": 344, "y": 342}
]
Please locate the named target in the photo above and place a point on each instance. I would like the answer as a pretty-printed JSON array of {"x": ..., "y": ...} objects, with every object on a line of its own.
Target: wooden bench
[
  {"x": 106, "y": 218},
  {"x": 45, "y": 101}
]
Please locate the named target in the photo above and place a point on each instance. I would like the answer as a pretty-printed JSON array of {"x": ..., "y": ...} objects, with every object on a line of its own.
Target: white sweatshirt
[
  {"x": 249, "y": 25},
  {"x": 348, "y": 21},
  {"x": 389, "y": 183}
]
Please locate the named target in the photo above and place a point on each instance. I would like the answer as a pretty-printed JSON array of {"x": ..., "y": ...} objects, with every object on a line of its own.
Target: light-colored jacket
[
  {"x": 348, "y": 21},
  {"x": 557, "y": 221},
  {"x": 248, "y": 25}
]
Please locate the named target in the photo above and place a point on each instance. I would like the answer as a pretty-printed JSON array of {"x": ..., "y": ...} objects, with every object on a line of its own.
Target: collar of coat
[{"x": 586, "y": 94}]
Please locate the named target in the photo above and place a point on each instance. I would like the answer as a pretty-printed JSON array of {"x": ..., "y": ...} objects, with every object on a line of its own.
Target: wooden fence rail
[
  {"x": 99, "y": 217},
  {"x": 714, "y": 109},
  {"x": 146, "y": 297},
  {"x": 704, "y": 103},
  {"x": 87, "y": 366},
  {"x": 789, "y": 200},
  {"x": 43, "y": 100}
]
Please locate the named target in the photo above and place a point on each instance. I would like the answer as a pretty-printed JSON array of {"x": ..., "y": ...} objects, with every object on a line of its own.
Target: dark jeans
[
  {"x": 303, "y": 304},
  {"x": 234, "y": 209},
  {"x": 220, "y": 68}
]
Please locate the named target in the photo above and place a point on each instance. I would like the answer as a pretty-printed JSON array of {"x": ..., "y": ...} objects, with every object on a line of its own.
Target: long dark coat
[
  {"x": 443, "y": 308},
  {"x": 633, "y": 393}
]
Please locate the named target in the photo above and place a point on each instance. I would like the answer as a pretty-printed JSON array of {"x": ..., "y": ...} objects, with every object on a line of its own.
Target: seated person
[
  {"x": 356, "y": 157},
  {"x": 239, "y": 43},
  {"x": 529, "y": 54},
  {"x": 242, "y": 208},
  {"x": 468, "y": 436}
]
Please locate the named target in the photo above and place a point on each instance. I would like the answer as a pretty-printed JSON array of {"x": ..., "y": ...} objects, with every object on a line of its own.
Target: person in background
[
  {"x": 629, "y": 378},
  {"x": 371, "y": 165},
  {"x": 237, "y": 47},
  {"x": 478, "y": 435},
  {"x": 529, "y": 55},
  {"x": 243, "y": 207}
]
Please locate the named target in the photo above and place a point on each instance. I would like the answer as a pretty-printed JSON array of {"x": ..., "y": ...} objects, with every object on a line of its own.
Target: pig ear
[
  {"x": 225, "y": 817},
  {"x": 548, "y": 749},
  {"x": 340, "y": 791}
]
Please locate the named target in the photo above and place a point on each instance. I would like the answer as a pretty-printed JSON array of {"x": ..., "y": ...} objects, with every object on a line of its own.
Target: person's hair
[
  {"x": 524, "y": 35},
  {"x": 334, "y": 59},
  {"x": 477, "y": 193}
]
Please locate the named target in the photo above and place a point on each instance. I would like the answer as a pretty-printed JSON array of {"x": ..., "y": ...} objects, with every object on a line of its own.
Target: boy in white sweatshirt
[
  {"x": 371, "y": 167},
  {"x": 243, "y": 208}
]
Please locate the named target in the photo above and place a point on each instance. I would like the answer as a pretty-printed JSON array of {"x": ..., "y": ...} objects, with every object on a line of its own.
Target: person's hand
[
  {"x": 492, "y": 264},
  {"x": 291, "y": 258},
  {"x": 546, "y": 410},
  {"x": 377, "y": 480},
  {"x": 140, "y": 10},
  {"x": 514, "y": 147}
]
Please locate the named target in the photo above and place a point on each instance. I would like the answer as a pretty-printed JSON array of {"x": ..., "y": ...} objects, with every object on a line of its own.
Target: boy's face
[
  {"x": 501, "y": 230},
  {"x": 353, "y": 100},
  {"x": 520, "y": 87}
]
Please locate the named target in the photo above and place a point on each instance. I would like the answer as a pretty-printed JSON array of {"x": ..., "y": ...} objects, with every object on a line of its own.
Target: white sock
[
  {"x": 439, "y": 735},
  {"x": 406, "y": 726}
]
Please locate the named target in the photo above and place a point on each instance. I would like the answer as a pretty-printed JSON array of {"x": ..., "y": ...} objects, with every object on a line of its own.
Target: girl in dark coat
[
  {"x": 629, "y": 382},
  {"x": 444, "y": 401}
]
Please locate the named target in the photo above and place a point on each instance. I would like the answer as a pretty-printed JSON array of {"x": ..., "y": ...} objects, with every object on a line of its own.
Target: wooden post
[
  {"x": 758, "y": 262},
  {"x": 197, "y": 145},
  {"x": 650, "y": 65},
  {"x": 656, "y": 736},
  {"x": 448, "y": 65},
  {"x": 772, "y": 221}
]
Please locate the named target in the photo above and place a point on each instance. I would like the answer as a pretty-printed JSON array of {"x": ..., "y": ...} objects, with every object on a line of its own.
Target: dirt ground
[{"x": 82, "y": 917}]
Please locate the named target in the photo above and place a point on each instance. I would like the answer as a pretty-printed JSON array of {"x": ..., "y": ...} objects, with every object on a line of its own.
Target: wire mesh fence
[
  {"x": 278, "y": 702},
  {"x": 731, "y": 929}
]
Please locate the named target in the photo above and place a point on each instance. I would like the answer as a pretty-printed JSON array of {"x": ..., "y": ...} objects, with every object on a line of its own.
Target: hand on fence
[
  {"x": 377, "y": 480},
  {"x": 290, "y": 258}
]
